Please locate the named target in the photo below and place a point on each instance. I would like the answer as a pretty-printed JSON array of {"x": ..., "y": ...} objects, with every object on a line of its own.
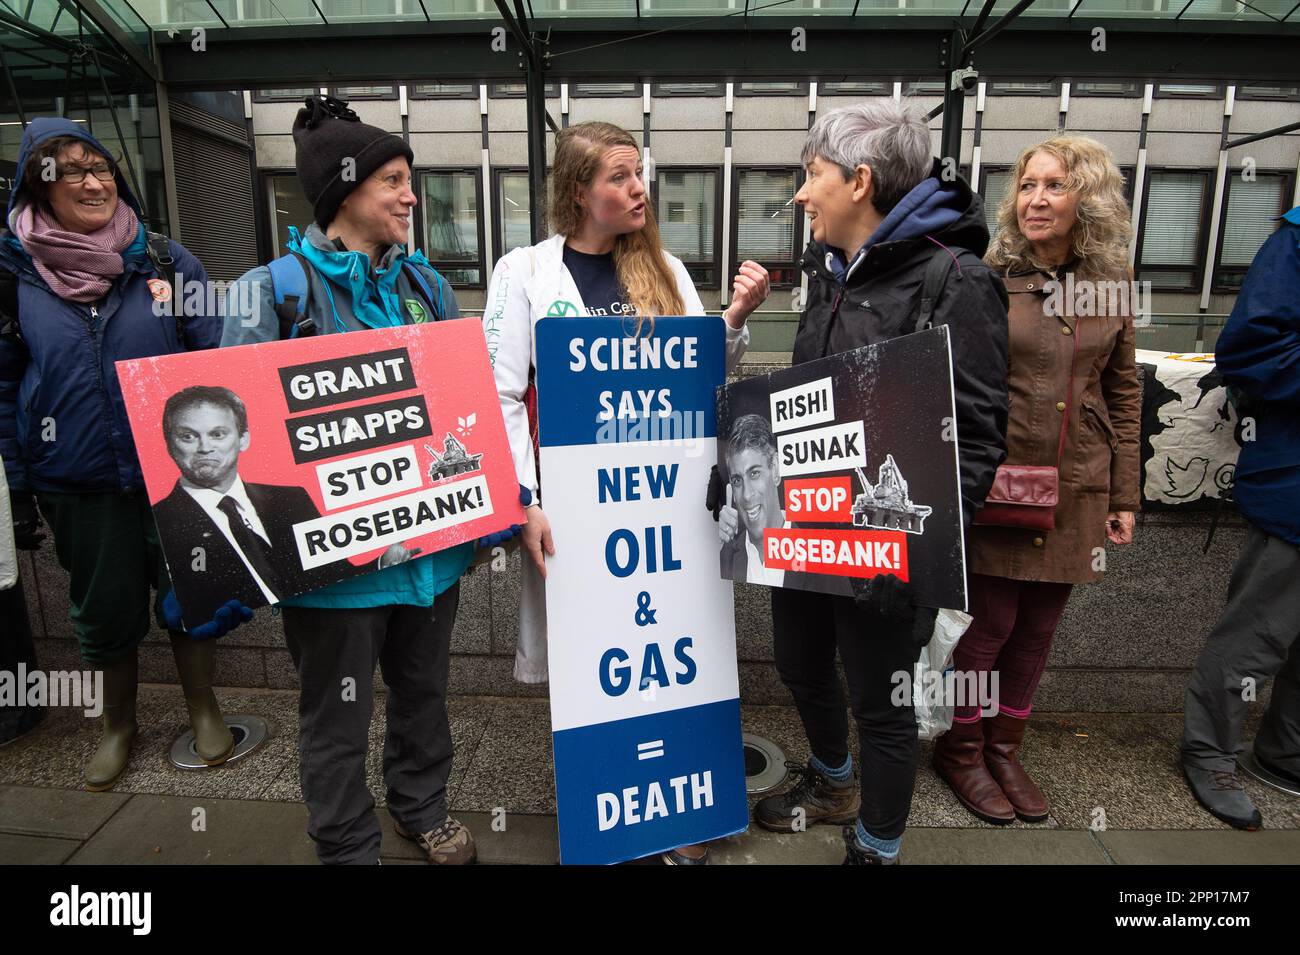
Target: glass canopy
[{"x": 136, "y": 17}]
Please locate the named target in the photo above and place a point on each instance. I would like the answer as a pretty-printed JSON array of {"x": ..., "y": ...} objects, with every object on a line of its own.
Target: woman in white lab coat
[{"x": 604, "y": 258}]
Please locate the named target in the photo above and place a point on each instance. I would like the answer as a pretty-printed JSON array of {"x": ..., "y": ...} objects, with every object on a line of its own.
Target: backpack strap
[
  {"x": 936, "y": 276},
  {"x": 159, "y": 249},
  {"x": 290, "y": 289},
  {"x": 422, "y": 285}
]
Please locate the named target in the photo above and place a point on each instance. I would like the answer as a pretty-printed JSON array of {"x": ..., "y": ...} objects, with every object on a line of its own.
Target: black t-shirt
[{"x": 597, "y": 282}]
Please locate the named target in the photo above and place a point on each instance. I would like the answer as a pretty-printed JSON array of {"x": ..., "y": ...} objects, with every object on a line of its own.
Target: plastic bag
[{"x": 932, "y": 706}]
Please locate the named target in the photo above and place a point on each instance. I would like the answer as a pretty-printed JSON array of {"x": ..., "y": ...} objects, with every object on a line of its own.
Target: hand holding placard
[
  {"x": 511, "y": 532},
  {"x": 728, "y": 519},
  {"x": 537, "y": 538}
]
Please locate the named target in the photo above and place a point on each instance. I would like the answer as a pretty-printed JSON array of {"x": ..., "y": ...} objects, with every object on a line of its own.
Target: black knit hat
[{"x": 326, "y": 134}]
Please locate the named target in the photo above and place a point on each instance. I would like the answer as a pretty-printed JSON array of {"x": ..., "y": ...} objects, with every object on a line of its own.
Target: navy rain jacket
[{"x": 1259, "y": 352}]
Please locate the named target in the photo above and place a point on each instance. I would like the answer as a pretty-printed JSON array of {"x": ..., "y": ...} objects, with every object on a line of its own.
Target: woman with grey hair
[{"x": 882, "y": 209}]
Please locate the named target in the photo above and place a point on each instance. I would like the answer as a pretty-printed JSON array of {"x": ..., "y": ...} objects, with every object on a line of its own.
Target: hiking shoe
[
  {"x": 448, "y": 843},
  {"x": 812, "y": 799},
  {"x": 1223, "y": 796},
  {"x": 855, "y": 854},
  {"x": 673, "y": 857}
]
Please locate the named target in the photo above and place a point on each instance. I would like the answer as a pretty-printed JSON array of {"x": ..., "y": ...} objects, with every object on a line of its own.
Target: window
[
  {"x": 687, "y": 89},
  {"x": 1250, "y": 209},
  {"x": 686, "y": 203},
  {"x": 604, "y": 89},
  {"x": 513, "y": 228},
  {"x": 1031, "y": 88},
  {"x": 350, "y": 93},
  {"x": 997, "y": 179},
  {"x": 443, "y": 91},
  {"x": 517, "y": 90},
  {"x": 769, "y": 226},
  {"x": 449, "y": 204},
  {"x": 287, "y": 95},
  {"x": 287, "y": 206},
  {"x": 1268, "y": 92},
  {"x": 346, "y": 93},
  {"x": 1188, "y": 90},
  {"x": 924, "y": 88},
  {"x": 855, "y": 88},
  {"x": 1128, "y": 173},
  {"x": 1169, "y": 249},
  {"x": 1106, "y": 88},
  {"x": 779, "y": 88}
]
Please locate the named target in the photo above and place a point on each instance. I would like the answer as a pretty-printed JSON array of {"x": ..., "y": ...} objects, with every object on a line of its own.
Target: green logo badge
[
  {"x": 561, "y": 309},
  {"x": 418, "y": 315}
]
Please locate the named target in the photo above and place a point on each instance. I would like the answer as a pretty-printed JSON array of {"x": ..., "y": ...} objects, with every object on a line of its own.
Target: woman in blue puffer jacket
[{"x": 77, "y": 260}]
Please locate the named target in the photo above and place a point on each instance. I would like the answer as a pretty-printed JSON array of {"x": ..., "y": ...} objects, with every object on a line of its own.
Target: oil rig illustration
[
  {"x": 453, "y": 460},
  {"x": 885, "y": 504}
]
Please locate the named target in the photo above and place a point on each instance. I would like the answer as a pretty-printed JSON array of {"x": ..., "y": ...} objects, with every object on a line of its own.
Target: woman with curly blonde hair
[{"x": 1062, "y": 250}]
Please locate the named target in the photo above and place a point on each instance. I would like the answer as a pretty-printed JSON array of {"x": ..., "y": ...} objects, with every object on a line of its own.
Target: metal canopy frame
[
  {"x": 27, "y": 47},
  {"x": 533, "y": 56},
  {"x": 720, "y": 46},
  {"x": 109, "y": 26},
  {"x": 728, "y": 48}
]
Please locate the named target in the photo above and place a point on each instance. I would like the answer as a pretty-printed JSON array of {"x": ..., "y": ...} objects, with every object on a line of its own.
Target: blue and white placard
[{"x": 645, "y": 701}]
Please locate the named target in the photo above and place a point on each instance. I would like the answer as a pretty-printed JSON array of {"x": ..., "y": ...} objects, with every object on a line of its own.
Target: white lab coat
[
  {"x": 526, "y": 285},
  {"x": 8, "y": 551}
]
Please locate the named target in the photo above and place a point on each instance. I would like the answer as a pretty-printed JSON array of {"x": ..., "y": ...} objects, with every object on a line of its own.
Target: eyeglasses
[{"x": 75, "y": 174}]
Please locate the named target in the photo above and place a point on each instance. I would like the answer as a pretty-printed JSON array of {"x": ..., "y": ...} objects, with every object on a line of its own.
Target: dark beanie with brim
[{"x": 326, "y": 135}]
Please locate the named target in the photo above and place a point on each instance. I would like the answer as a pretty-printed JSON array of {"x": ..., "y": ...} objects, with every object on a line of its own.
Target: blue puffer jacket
[
  {"x": 63, "y": 424},
  {"x": 347, "y": 294},
  {"x": 1259, "y": 352}
]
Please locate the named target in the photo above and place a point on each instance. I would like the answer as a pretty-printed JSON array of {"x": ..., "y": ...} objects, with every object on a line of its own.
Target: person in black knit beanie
[
  {"x": 360, "y": 277},
  {"x": 336, "y": 152}
]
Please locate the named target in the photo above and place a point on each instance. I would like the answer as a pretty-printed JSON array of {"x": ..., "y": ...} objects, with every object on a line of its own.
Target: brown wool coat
[{"x": 1099, "y": 466}]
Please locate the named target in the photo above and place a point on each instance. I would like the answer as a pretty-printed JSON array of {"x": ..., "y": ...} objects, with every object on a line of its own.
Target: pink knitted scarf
[{"x": 76, "y": 266}]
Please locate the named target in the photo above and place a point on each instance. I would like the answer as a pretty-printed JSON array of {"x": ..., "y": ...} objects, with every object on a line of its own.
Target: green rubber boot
[
  {"x": 194, "y": 661},
  {"x": 109, "y": 761}
]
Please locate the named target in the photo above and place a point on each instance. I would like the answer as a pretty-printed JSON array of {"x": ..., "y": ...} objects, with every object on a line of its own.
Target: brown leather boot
[
  {"x": 959, "y": 761},
  {"x": 1002, "y": 736}
]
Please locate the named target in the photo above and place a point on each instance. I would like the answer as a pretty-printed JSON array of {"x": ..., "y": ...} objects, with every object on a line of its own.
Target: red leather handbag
[
  {"x": 1025, "y": 496},
  {"x": 1022, "y": 495}
]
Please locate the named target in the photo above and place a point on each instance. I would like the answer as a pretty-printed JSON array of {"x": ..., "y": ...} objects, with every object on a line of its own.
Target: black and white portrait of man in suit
[{"x": 245, "y": 530}]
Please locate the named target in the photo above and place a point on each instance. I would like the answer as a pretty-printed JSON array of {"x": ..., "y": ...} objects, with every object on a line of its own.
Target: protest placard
[
  {"x": 279, "y": 468},
  {"x": 645, "y": 708},
  {"x": 844, "y": 468}
]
